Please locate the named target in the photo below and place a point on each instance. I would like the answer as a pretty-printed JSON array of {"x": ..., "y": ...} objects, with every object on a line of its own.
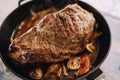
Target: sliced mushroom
[
  {"x": 96, "y": 35},
  {"x": 73, "y": 63},
  {"x": 64, "y": 70},
  {"x": 53, "y": 72},
  {"x": 33, "y": 13},
  {"x": 59, "y": 72},
  {"x": 36, "y": 73},
  {"x": 90, "y": 47},
  {"x": 11, "y": 39}
]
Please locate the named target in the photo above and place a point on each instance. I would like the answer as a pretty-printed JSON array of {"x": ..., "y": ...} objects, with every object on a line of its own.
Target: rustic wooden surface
[{"x": 110, "y": 9}]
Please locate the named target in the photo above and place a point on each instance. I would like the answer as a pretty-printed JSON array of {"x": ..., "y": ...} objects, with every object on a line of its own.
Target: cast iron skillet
[{"x": 22, "y": 12}]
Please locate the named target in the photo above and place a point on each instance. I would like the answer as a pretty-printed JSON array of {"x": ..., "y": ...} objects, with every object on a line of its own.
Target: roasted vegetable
[
  {"x": 90, "y": 47},
  {"x": 53, "y": 72},
  {"x": 64, "y": 70},
  {"x": 85, "y": 64},
  {"x": 36, "y": 73},
  {"x": 96, "y": 35},
  {"x": 74, "y": 63}
]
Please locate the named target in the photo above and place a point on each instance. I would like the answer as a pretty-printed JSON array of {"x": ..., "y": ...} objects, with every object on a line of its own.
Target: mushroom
[
  {"x": 53, "y": 72},
  {"x": 59, "y": 72},
  {"x": 73, "y": 63},
  {"x": 96, "y": 35},
  {"x": 36, "y": 73},
  {"x": 64, "y": 70},
  {"x": 11, "y": 39},
  {"x": 90, "y": 47}
]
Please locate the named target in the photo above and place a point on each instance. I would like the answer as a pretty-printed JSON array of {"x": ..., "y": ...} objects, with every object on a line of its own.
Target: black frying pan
[{"x": 23, "y": 11}]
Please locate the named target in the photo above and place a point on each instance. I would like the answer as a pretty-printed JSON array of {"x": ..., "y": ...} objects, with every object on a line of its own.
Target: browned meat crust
[{"x": 57, "y": 37}]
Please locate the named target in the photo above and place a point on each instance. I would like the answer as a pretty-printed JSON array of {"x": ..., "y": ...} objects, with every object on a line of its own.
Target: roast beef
[{"x": 57, "y": 37}]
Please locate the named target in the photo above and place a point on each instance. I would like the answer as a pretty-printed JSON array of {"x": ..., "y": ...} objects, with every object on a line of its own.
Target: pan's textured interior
[{"x": 15, "y": 18}]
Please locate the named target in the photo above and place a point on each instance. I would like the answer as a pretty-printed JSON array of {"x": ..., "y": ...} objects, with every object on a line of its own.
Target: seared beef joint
[{"x": 57, "y": 37}]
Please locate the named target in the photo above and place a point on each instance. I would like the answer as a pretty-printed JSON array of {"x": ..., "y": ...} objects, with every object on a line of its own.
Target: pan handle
[
  {"x": 54, "y": 1},
  {"x": 62, "y": 3},
  {"x": 20, "y": 2}
]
